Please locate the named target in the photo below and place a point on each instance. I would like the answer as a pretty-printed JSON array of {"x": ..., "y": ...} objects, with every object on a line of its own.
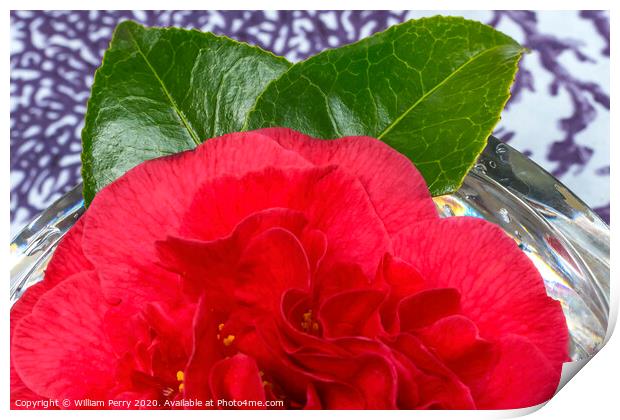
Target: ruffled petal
[
  {"x": 501, "y": 290},
  {"x": 371, "y": 375},
  {"x": 237, "y": 378},
  {"x": 125, "y": 329},
  {"x": 272, "y": 263},
  {"x": 214, "y": 267},
  {"x": 395, "y": 187},
  {"x": 313, "y": 402},
  {"x": 207, "y": 350},
  {"x": 352, "y": 313},
  {"x": 332, "y": 201},
  {"x": 400, "y": 279},
  {"x": 336, "y": 279},
  {"x": 121, "y": 230},
  {"x": 450, "y": 337},
  {"x": 438, "y": 386},
  {"x": 339, "y": 396},
  {"x": 425, "y": 307}
]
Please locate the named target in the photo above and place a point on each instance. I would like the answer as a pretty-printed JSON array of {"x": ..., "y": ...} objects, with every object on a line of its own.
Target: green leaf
[
  {"x": 164, "y": 90},
  {"x": 431, "y": 88}
]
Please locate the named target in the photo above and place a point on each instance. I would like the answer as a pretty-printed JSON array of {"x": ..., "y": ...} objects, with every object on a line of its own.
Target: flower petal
[
  {"x": 425, "y": 307},
  {"x": 136, "y": 286},
  {"x": 237, "y": 378},
  {"x": 513, "y": 383},
  {"x": 272, "y": 263},
  {"x": 337, "y": 278},
  {"x": 352, "y": 313},
  {"x": 501, "y": 290},
  {"x": 439, "y": 387},
  {"x": 450, "y": 337},
  {"x": 23, "y": 306},
  {"x": 332, "y": 201},
  {"x": 212, "y": 267},
  {"x": 122, "y": 229},
  {"x": 60, "y": 349},
  {"x": 396, "y": 188},
  {"x": 117, "y": 322},
  {"x": 371, "y": 375},
  {"x": 504, "y": 296},
  {"x": 313, "y": 402},
  {"x": 339, "y": 396},
  {"x": 401, "y": 280},
  {"x": 68, "y": 257},
  {"x": 206, "y": 352},
  {"x": 20, "y": 392}
]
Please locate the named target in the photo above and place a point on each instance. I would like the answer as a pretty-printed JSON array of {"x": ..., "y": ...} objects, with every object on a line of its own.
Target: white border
[{"x": 593, "y": 394}]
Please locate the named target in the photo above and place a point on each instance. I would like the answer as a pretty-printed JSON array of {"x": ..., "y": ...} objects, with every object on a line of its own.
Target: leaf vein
[
  {"x": 188, "y": 127},
  {"x": 435, "y": 88}
]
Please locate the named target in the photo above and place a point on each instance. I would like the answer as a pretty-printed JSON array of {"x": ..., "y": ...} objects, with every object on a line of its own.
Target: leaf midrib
[
  {"x": 436, "y": 87},
  {"x": 178, "y": 111}
]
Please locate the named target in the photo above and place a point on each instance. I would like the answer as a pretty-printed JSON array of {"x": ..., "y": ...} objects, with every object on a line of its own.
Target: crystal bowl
[{"x": 564, "y": 238}]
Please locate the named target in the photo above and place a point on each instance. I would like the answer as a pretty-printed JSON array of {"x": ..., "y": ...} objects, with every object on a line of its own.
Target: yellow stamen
[
  {"x": 307, "y": 324},
  {"x": 220, "y": 327},
  {"x": 181, "y": 378},
  {"x": 228, "y": 340}
]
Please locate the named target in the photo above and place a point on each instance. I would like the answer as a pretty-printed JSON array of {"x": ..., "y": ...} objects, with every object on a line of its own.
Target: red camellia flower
[{"x": 269, "y": 266}]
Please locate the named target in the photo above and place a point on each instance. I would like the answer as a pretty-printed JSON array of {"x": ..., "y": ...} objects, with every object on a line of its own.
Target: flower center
[
  {"x": 228, "y": 340},
  {"x": 307, "y": 324}
]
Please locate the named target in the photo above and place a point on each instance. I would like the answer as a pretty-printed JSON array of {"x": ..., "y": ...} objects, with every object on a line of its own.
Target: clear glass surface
[{"x": 565, "y": 239}]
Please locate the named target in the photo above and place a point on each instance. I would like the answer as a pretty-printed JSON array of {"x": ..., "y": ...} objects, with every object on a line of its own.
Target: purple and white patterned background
[{"x": 558, "y": 115}]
